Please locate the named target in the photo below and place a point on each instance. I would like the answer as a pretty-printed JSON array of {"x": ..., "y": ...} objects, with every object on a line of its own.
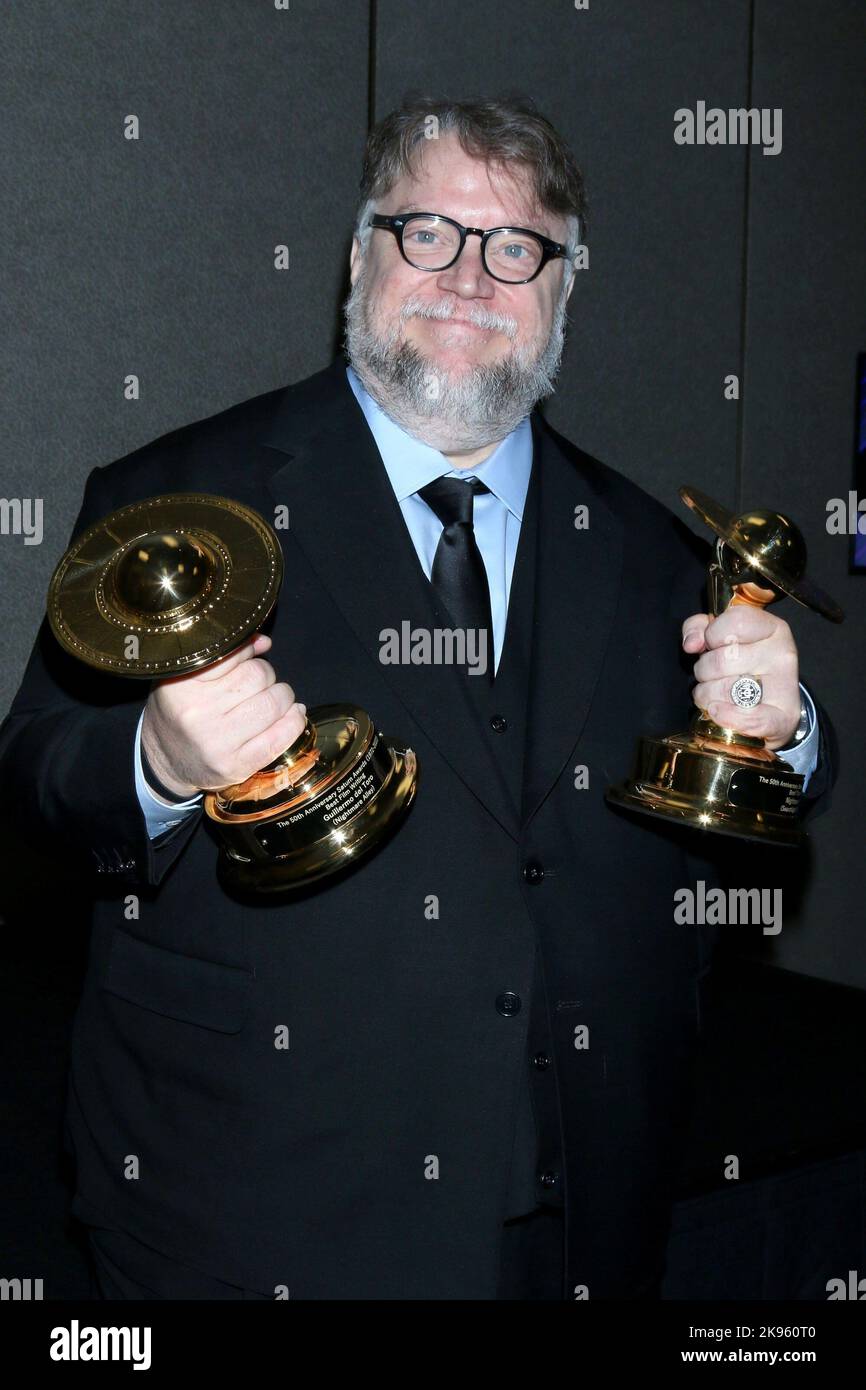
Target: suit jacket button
[
  {"x": 547, "y": 1179},
  {"x": 508, "y": 1004},
  {"x": 541, "y": 1060},
  {"x": 498, "y": 723},
  {"x": 533, "y": 871}
]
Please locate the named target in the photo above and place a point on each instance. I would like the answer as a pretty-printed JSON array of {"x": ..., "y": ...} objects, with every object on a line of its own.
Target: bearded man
[{"x": 491, "y": 1019}]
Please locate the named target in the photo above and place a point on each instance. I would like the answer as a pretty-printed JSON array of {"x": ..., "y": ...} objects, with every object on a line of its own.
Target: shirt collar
[{"x": 410, "y": 465}]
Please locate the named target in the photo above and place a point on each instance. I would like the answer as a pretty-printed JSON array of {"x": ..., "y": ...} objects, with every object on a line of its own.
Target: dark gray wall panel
[
  {"x": 806, "y": 322},
  {"x": 156, "y": 256},
  {"x": 654, "y": 324}
]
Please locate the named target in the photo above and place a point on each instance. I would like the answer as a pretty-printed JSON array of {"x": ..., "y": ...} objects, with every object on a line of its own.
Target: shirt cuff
[
  {"x": 159, "y": 815},
  {"x": 803, "y": 756}
]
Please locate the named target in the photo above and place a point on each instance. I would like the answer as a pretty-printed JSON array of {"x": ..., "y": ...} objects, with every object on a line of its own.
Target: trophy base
[
  {"x": 330, "y": 799},
  {"x": 711, "y": 784}
]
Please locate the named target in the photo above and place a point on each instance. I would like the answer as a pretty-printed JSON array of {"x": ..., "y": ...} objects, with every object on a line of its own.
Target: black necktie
[{"x": 458, "y": 573}]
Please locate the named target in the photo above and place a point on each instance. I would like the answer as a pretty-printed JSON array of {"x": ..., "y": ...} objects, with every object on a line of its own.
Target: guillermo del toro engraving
[{"x": 168, "y": 585}]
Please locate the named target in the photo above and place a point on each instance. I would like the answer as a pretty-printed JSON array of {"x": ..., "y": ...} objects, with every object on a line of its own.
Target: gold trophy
[
  {"x": 168, "y": 585},
  {"x": 712, "y": 777}
]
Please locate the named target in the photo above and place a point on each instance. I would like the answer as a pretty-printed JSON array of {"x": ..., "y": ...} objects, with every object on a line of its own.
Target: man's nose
[{"x": 467, "y": 277}]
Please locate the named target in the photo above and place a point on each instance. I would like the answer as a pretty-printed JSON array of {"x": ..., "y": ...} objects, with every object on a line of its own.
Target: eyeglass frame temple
[{"x": 395, "y": 222}]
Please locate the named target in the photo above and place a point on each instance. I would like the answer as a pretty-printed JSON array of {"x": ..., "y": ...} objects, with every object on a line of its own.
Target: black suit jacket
[{"x": 313, "y": 1166}]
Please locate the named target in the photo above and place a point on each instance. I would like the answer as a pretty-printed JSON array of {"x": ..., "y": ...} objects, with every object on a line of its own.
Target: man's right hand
[{"x": 218, "y": 726}]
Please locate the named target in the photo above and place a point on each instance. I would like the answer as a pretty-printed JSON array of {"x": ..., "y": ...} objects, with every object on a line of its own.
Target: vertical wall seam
[
  {"x": 371, "y": 65},
  {"x": 744, "y": 272}
]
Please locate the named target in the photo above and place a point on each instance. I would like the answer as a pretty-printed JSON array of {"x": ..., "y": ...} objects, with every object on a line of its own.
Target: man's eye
[{"x": 414, "y": 236}]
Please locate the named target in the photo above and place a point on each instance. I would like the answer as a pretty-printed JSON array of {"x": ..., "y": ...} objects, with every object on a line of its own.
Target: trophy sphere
[
  {"x": 770, "y": 545},
  {"x": 162, "y": 572}
]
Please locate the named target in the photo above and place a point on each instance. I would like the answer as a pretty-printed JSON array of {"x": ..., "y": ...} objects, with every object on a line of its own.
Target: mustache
[{"x": 482, "y": 318}]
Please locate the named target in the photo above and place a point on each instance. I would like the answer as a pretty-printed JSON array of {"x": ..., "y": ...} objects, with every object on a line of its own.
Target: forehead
[{"x": 449, "y": 181}]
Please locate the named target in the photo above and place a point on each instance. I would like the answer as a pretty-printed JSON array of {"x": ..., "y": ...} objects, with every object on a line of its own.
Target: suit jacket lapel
[
  {"x": 578, "y": 577},
  {"x": 346, "y": 519}
]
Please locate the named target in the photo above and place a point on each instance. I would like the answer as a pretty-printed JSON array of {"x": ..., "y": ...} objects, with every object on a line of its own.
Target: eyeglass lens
[{"x": 431, "y": 245}]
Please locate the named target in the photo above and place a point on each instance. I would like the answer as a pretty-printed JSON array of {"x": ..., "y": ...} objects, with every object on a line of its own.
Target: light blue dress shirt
[{"x": 497, "y": 516}]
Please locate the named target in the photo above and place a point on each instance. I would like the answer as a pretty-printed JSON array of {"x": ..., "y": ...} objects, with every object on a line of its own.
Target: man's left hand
[{"x": 745, "y": 641}]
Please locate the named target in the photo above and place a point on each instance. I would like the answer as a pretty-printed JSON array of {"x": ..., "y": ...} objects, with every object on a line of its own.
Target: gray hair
[{"x": 505, "y": 133}]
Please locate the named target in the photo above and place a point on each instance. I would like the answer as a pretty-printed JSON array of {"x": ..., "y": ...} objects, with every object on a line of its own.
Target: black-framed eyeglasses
[{"x": 429, "y": 241}]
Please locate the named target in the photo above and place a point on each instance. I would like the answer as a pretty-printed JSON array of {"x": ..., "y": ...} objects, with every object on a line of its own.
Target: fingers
[
  {"x": 257, "y": 752},
  {"x": 243, "y": 683},
  {"x": 236, "y": 676},
  {"x": 771, "y": 660},
  {"x": 764, "y": 721},
  {"x": 218, "y": 726},
  {"x": 254, "y": 646},
  {"x": 254, "y": 714},
  {"x": 706, "y": 693},
  {"x": 693, "y": 632},
  {"x": 747, "y": 641},
  {"x": 742, "y": 623},
  {"x": 774, "y": 719},
  {"x": 732, "y": 660}
]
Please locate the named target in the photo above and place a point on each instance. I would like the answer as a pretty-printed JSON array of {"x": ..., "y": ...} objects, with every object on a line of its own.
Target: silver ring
[{"x": 746, "y": 692}]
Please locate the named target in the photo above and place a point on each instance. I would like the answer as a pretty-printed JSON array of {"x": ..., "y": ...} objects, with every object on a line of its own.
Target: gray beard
[{"x": 454, "y": 415}]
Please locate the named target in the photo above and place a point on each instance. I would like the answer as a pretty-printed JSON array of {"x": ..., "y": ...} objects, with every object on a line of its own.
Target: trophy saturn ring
[
  {"x": 168, "y": 585},
  {"x": 712, "y": 777}
]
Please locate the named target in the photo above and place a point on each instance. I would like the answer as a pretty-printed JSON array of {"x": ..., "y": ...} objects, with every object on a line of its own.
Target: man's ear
[
  {"x": 573, "y": 272},
  {"x": 354, "y": 259}
]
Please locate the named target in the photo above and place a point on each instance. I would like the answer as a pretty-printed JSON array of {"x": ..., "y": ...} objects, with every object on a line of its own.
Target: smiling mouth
[{"x": 460, "y": 323}]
